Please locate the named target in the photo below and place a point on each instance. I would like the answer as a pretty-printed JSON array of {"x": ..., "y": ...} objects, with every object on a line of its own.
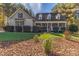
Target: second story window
[
  {"x": 20, "y": 15},
  {"x": 19, "y": 23},
  {"x": 58, "y": 16},
  {"x": 49, "y": 16},
  {"x": 40, "y": 17}
]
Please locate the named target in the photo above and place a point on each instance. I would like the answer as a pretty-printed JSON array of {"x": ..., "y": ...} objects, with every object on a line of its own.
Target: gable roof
[{"x": 21, "y": 10}]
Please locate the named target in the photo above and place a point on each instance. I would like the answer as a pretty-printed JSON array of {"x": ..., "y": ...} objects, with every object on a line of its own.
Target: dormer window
[
  {"x": 20, "y": 15},
  {"x": 77, "y": 14},
  {"x": 40, "y": 17},
  {"x": 58, "y": 16},
  {"x": 49, "y": 16}
]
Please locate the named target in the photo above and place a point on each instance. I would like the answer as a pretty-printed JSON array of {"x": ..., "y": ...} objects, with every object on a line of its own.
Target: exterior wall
[
  {"x": 28, "y": 21},
  {"x": 11, "y": 22}
]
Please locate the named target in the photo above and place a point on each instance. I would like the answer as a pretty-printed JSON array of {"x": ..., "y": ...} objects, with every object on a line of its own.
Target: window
[
  {"x": 19, "y": 23},
  {"x": 44, "y": 24},
  {"x": 49, "y": 16},
  {"x": 58, "y": 16},
  {"x": 40, "y": 17},
  {"x": 38, "y": 24},
  {"x": 20, "y": 15},
  {"x": 62, "y": 24},
  {"x": 77, "y": 14},
  {"x": 54, "y": 24}
]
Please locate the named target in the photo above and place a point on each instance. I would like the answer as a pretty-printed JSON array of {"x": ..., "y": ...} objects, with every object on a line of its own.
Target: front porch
[{"x": 52, "y": 26}]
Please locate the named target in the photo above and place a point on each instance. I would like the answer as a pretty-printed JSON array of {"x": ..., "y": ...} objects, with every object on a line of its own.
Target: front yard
[
  {"x": 15, "y": 36},
  {"x": 26, "y": 46}
]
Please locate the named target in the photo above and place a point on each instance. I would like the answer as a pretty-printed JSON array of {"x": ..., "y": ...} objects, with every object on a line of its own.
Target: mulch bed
[
  {"x": 23, "y": 48},
  {"x": 61, "y": 47}
]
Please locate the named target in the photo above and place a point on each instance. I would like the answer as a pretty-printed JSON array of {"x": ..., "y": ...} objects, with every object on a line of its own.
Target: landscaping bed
[
  {"x": 28, "y": 47},
  {"x": 63, "y": 47},
  {"x": 23, "y": 48}
]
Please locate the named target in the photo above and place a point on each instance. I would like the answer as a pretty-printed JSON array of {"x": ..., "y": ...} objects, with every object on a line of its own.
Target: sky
[{"x": 40, "y": 7}]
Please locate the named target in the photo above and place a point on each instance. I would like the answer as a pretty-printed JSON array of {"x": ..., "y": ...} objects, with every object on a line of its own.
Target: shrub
[
  {"x": 73, "y": 28},
  {"x": 36, "y": 38},
  {"x": 47, "y": 46},
  {"x": 67, "y": 34},
  {"x": 45, "y": 36}
]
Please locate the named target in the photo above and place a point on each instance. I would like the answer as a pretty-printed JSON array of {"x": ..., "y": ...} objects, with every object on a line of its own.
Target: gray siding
[{"x": 28, "y": 20}]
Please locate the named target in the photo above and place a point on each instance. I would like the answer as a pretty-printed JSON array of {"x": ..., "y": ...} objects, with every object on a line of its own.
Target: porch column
[
  {"x": 58, "y": 26},
  {"x": 65, "y": 25},
  {"x": 40, "y": 26},
  {"x": 51, "y": 26},
  {"x": 22, "y": 29},
  {"x": 14, "y": 29},
  {"x": 47, "y": 27},
  {"x": 31, "y": 28}
]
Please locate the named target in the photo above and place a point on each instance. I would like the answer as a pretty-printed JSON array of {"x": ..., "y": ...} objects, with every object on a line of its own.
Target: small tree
[
  {"x": 47, "y": 46},
  {"x": 73, "y": 28},
  {"x": 35, "y": 38},
  {"x": 67, "y": 34}
]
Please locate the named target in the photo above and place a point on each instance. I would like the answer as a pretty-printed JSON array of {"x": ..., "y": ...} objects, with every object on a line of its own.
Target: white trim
[
  {"x": 50, "y": 22},
  {"x": 17, "y": 11}
]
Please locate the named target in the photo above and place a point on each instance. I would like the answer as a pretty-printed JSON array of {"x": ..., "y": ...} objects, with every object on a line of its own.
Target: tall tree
[
  {"x": 19, "y": 5},
  {"x": 8, "y": 8},
  {"x": 66, "y": 9}
]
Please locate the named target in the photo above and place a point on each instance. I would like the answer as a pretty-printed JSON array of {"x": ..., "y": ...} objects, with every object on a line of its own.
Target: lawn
[
  {"x": 17, "y": 36},
  {"x": 12, "y": 36}
]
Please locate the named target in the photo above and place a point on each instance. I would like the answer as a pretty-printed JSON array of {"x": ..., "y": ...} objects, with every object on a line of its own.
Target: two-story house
[
  {"x": 51, "y": 22},
  {"x": 47, "y": 22}
]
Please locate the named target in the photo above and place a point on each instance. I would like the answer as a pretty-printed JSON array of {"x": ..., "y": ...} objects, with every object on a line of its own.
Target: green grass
[
  {"x": 14, "y": 36},
  {"x": 18, "y": 36}
]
